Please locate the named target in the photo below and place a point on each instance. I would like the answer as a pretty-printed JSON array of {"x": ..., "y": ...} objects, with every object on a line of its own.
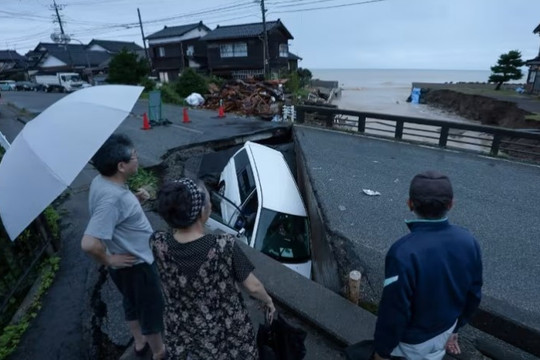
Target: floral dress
[{"x": 205, "y": 316}]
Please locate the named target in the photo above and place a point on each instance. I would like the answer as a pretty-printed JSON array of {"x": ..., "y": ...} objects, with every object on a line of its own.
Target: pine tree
[{"x": 507, "y": 68}]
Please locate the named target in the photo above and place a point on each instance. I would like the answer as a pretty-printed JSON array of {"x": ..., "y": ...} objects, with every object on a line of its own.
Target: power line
[{"x": 327, "y": 7}]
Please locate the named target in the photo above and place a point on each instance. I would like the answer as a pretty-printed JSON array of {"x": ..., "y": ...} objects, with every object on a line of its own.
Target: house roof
[
  {"x": 535, "y": 61},
  {"x": 244, "y": 31},
  {"x": 294, "y": 56},
  {"x": 115, "y": 46},
  {"x": 172, "y": 31},
  {"x": 75, "y": 54},
  {"x": 11, "y": 55}
]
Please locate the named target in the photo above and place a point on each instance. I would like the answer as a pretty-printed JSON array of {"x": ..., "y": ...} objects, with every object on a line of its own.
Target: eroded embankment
[{"x": 487, "y": 110}]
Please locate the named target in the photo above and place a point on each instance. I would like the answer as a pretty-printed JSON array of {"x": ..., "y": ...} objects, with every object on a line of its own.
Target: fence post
[
  {"x": 361, "y": 123},
  {"x": 444, "y": 136},
  {"x": 399, "y": 129},
  {"x": 354, "y": 286},
  {"x": 300, "y": 115},
  {"x": 495, "y": 145}
]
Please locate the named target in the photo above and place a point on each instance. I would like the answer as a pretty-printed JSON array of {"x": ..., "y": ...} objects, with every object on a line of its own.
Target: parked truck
[{"x": 61, "y": 82}]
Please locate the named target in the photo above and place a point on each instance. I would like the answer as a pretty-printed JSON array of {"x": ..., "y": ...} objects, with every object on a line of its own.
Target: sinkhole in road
[{"x": 206, "y": 161}]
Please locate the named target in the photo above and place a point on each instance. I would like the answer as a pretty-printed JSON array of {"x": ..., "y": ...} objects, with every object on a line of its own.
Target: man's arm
[
  {"x": 474, "y": 295},
  {"x": 394, "y": 308},
  {"x": 95, "y": 248}
]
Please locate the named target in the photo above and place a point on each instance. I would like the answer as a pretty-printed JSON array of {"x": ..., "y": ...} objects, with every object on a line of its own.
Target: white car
[{"x": 258, "y": 201}]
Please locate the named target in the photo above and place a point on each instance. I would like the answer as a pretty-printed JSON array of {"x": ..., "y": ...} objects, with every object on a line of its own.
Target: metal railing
[{"x": 495, "y": 141}]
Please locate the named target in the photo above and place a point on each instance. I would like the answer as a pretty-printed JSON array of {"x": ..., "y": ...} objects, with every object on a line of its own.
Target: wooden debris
[{"x": 247, "y": 97}]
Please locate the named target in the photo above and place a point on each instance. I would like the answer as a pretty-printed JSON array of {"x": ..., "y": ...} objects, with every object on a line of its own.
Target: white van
[{"x": 259, "y": 202}]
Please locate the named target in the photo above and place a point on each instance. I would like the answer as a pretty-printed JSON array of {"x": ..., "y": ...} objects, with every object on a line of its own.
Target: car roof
[{"x": 278, "y": 189}]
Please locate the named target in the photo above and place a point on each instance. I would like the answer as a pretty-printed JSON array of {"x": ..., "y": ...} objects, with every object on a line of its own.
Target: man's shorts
[
  {"x": 432, "y": 349},
  {"x": 142, "y": 296}
]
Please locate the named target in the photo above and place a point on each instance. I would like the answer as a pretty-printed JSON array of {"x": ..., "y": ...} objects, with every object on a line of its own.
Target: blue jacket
[{"x": 433, "y": 277}]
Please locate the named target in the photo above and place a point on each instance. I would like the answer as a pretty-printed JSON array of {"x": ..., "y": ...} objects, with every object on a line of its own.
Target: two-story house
[
  {"x": 238, "y": 50},
  {"x": 533, "y": 78},
  {"x": 175, "y": 48}
]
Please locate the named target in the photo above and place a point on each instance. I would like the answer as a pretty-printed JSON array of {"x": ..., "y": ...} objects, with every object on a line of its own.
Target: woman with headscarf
[{"x": 205, "y": 316}]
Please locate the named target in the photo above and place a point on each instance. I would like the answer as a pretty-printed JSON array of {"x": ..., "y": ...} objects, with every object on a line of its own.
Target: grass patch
[
  {"x": 143, "y": 178},
  {"x": 533, "y": 117}
]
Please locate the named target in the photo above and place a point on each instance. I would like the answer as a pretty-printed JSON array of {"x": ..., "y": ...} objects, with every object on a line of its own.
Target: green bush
[
  {"x": 189, "y": 82},
  {"x": 170, "y": 96},
  {"x": 148, "y": 84}
]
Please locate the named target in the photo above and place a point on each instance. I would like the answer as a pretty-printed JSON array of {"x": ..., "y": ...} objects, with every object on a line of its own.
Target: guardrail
[{"x": 491, "y": 140}]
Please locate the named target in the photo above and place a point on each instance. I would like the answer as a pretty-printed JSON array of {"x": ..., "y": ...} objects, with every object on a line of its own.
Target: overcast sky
[{"x": 405, "y": 34}]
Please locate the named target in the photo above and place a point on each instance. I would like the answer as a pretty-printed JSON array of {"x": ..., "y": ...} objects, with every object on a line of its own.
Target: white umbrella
[{"x": 53, "y": 148}]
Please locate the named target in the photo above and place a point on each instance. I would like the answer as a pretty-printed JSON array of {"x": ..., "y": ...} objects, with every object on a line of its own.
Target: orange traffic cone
[
  {"x": 145, "y": 123},
  {"x": 185, "y": 119},
  {"x": 221, "y": 112}
]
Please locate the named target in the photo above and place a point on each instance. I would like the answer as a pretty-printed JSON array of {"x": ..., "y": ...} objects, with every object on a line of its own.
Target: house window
[
  {"x": 233, "y": 50},
  {"x": 161, "y": 51},
  {"x": 283, "y": 50},
  {"x": 190, "y": 50}
]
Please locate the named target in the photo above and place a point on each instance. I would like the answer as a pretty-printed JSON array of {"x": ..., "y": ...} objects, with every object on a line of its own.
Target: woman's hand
[{"x": 270, "y": 309}]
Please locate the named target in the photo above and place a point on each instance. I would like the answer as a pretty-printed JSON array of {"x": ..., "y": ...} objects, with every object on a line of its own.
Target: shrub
[
  {"x": 148, "y": 84},
  {"x": 170, "y": 96},
  {"x": 189, "y": 82}
]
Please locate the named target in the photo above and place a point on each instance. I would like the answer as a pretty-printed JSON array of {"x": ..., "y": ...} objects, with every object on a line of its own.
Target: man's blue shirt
[{"x": 433, "y": 277}]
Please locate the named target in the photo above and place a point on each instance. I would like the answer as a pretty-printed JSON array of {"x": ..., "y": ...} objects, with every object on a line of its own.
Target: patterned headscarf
[{"x": 197, "y": 200}]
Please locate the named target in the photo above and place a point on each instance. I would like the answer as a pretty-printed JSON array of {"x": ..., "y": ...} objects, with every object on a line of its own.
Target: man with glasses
[{"x": 117, "y": 236}]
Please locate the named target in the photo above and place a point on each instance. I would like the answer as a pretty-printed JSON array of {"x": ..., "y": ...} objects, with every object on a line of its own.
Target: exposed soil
[
  {"x": 488, "y": 111},
  {"x": 493, "y": 112}
]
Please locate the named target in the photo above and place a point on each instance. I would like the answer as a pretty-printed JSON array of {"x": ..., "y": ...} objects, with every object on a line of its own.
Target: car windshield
[{"x": 284, "y": 237}]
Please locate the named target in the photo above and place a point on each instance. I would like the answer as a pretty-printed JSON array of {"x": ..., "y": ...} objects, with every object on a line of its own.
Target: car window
[
  {"x": 284, "y": 237},
  {"x": 224, "y": 211},
  {"x": 244, "y": 174}
]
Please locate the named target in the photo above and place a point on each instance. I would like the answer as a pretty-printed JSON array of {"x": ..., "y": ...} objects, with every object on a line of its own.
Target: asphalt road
[
  {"x": 62, "y": 328},
  {"x": 496, "y": 199}
]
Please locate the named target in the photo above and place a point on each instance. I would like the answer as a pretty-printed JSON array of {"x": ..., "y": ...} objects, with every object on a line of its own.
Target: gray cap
[{"x": 431, "y": 185}]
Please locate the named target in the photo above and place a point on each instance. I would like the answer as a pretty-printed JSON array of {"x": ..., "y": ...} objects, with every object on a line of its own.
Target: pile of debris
[{"x": 247, "y": 97}]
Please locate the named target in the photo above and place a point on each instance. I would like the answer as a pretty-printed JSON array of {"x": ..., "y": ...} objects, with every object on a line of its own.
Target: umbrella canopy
[{"x": 53, "y": 148}]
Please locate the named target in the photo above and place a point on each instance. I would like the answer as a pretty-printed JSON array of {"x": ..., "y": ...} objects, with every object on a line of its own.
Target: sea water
[{"x": 386, "y": 90}]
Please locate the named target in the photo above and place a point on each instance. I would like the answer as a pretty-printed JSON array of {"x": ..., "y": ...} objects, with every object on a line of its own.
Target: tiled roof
[
  {"x": 243, "y": 31},
  {"x": 171, "y": 31},
  {"x": 294, "y": 56},
  {"x": 115, "y": 46},
  {"x": 76, "y": 54},
  {"x": 11, "y": 55}
]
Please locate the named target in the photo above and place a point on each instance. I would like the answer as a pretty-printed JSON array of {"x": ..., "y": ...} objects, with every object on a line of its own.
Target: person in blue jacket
[{"x": 433, "y": 278}]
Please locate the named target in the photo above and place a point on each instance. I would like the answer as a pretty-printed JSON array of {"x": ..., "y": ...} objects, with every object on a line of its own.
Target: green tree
[
  {"x": 507, "y": 68},
  {"x": 126, "y": 68}
]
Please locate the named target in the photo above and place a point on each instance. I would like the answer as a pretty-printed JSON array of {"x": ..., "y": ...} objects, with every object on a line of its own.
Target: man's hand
[
  {"x": 121, "y": 260},
  {"x": 378, "y": 357},
  {"x": 142, "y": 195},
  {"x": 452, "y": 346}
]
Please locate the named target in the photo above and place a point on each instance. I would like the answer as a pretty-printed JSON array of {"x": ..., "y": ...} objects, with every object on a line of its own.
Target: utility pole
[
  {"x": 144, "y": 40},
  {"x": 265, "y": 40},
  {"x": 58, "y": 17}
]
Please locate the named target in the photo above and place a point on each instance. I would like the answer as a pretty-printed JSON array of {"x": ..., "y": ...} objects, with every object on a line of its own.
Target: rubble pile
[{"x": 247, "y": 97}]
